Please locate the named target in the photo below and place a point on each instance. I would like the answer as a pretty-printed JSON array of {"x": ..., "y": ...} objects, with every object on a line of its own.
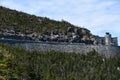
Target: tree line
[{"x": 19, "y": 64}]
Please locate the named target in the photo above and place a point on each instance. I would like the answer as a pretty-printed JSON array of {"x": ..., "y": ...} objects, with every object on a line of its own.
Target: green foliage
[
  {"x": 26, "y": 22},
  {"x": 18, "y": 64}
]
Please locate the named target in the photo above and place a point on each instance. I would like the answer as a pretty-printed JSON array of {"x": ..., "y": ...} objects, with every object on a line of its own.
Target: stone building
[{"x": 107, "y": 40}]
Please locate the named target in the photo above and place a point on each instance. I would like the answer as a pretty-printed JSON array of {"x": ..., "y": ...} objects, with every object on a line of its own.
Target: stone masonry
[{"x": 107, "y": 51}]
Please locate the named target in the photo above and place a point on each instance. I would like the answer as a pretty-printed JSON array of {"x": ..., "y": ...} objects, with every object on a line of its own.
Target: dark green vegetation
[
  {"x": 26, "y": 22},
  {"x": 18, "y": 64}
]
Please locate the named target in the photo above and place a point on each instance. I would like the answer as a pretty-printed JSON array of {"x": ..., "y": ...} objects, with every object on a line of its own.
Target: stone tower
[
  {"x": 115, "y": 41},
  {"x": 108, "y": 40}
]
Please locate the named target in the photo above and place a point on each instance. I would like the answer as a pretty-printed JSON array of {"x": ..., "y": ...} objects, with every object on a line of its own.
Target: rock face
[{"x": 107, "y": 51}]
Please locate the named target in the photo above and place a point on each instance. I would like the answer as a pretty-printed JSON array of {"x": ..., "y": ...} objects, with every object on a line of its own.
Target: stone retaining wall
[{"x": 76, "y": 48}]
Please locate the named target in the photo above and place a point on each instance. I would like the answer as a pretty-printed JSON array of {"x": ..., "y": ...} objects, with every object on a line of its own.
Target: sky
[{"x": 99, "y": 16}]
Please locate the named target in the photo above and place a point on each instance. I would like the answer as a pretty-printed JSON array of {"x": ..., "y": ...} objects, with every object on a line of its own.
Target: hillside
[
  {"x": 14, "y": 19},
  {"x": 18, "y": 64},
  {"x": 23, "y": 21},
  {"x": 19, "y": 25}
]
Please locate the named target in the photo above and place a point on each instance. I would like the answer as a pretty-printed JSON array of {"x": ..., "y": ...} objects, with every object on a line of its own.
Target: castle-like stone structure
[
  {"x": 107, "y": 51},
  {"x": 107, "y": 45},
  {"x": 107, "y": 40}
]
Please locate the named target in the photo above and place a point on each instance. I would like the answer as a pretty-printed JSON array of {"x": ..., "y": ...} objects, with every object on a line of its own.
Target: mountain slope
[{"x": 14, "y": 19}]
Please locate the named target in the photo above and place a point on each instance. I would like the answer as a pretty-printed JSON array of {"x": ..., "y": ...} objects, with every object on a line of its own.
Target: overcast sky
[{"x": 99, "y": 16}]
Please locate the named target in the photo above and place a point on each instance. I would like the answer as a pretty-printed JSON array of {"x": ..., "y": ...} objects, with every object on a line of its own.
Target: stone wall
[{"x": 76, "y": 48}]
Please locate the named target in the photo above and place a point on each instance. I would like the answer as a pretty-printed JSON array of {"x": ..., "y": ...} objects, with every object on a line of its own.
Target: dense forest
[{"x": 19, "y": 64}]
